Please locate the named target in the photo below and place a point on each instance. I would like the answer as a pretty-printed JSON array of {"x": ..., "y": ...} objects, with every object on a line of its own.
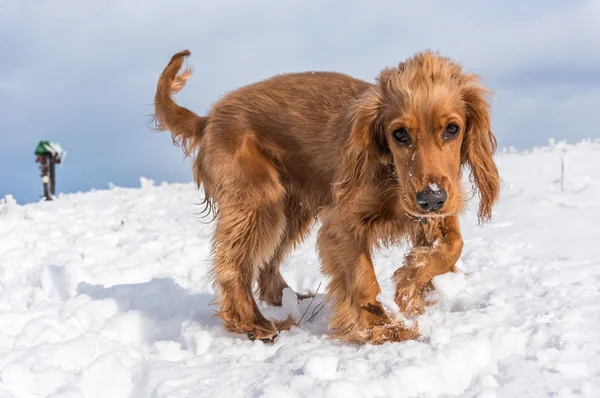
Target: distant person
[{"x": 47, "y": 155}]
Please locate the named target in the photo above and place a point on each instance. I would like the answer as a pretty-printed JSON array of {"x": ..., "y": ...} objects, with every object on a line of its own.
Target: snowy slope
[{"x": 104, "y": 294}]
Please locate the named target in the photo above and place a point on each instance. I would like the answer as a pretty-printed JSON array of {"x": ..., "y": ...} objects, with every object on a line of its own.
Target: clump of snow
[
  {"x": 449, "y": 285},
  {"x": 146, "y": 183},
  {"x": 8, "y": 200},
  {"x": 289, "y": 304},
  {"x": 320, "y": 367},
  {"x": 106, "y": 294},
  {"x": 7, "y": 204},
  {"x": 197, "y": 340}
]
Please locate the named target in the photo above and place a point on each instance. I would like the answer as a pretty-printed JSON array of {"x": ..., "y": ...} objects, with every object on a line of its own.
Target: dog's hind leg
[
  {"x": 270, "y": 281},
  {"x": 250, "y": 226}
]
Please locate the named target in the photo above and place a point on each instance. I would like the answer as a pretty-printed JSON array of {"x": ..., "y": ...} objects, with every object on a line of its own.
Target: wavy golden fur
[{"x": 376, "y": 163}]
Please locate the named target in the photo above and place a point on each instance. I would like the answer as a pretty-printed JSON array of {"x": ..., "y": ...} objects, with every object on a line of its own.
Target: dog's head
[{"x": 428, "y": 118}]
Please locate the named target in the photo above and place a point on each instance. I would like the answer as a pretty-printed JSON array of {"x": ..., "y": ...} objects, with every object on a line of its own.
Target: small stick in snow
[
  {"x": 316, "y": 311},
  {"x": 309, "y": 304}
]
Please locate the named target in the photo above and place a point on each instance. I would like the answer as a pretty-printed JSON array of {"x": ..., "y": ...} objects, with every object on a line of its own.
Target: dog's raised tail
[{"x": 185, "y": 126}]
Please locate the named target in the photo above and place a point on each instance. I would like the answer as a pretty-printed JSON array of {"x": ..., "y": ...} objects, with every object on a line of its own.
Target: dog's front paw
[
  {"x": 394, "y": 333},
  {"x": 267, "y": 334},
  {"x": 409, "y": 294}
]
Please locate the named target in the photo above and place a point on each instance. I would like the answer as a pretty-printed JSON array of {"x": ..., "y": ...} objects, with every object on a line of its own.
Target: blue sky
[{"x": 84, "y": 73}]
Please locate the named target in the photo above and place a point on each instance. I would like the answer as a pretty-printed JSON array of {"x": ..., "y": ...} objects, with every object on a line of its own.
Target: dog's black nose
[{"x": 431, "y": 200}]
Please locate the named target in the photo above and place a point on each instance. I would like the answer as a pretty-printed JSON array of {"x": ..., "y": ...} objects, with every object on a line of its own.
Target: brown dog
[{"x": 375, "y": 163}]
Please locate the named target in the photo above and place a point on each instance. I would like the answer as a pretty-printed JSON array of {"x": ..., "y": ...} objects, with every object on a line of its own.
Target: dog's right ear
[{"x": 365, "y": 146}]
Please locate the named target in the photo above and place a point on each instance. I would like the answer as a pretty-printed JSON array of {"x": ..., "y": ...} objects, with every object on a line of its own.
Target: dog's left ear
[{"x": 479, "y": 145}]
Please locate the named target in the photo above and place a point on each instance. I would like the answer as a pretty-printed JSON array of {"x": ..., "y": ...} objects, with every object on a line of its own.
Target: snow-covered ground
[{"x": 104, "y": 294}]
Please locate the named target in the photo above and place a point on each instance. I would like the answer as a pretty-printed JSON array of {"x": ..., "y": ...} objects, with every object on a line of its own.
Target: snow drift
[{"x": 104, "y": 294}]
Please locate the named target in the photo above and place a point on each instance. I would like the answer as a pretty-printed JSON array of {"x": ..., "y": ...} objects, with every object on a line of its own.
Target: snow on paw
[
  {"x": 410, "y": 301},
  {"x": 429, "y": 294}
]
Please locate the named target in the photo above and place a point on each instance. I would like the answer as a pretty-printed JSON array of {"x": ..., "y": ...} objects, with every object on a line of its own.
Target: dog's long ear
[
  {"x": 479, "y": 145},
  {"x": 365, "y": 147}
]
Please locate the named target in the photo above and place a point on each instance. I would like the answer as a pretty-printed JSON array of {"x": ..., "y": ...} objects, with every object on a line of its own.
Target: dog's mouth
[
  {"x": 424, "y": 218},
  {"x": 417, "y": 218}
]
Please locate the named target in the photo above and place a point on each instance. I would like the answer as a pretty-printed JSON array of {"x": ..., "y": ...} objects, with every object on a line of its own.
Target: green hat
[
  {"x": 45, "y": 147},
  {"x": 41, "y": 148}
]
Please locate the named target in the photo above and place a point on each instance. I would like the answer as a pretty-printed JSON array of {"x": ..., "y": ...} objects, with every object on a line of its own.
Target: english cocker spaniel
[{"x": 377, "y": 164}]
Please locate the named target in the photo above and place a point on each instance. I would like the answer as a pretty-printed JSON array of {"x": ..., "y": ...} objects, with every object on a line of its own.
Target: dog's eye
[
  {"x": 401, "y": 135},
  {"x": 451, "y": 131}
]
